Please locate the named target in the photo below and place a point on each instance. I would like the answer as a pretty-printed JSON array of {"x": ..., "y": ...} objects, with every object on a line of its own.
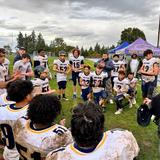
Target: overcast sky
[{"x": 79, "y": 22}]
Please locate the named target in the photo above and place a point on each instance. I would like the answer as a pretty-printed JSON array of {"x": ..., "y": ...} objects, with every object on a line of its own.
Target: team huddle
[{"x": 29, "y": 106}]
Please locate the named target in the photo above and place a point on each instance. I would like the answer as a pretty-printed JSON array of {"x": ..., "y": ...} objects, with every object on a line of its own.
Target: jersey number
[
  {"x": 22, "y": 150},
  {"x": 76, "y": 64},
  {"x": 8, "y": 137}
]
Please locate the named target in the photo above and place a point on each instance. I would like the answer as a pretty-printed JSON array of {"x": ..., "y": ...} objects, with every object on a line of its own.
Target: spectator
[
  {"x": 18, "y": 57},
  {"x": 134, "y": 64}
]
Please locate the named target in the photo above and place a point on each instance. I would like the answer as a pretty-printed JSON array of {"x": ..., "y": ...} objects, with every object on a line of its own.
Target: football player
[
  {"x": 118, "y": 65},
  {"x": 24, "y": 67},
  {"x": 132, "y": 87},
  {"x": 85, "y": 82},
  {"x": 37, "y": 134},
  {"x": 41, "y": 80},
  {"x": 4, "y": 72},
  {"x": 62, "y": 67},
  {"x": 76, "y": 62},
  {"x": 148, "y": 71},
  {"x": 19, "y": 91},
  {"x": 91, "y": 142},
  {"x": 121, "y": 86},
  {"x": 41, "y": 59},
  {"x": 98, "y": 85}
]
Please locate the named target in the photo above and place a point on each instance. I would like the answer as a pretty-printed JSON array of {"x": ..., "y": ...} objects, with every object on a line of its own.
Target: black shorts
[
  {"x": 75, "y": 77},
  {"x": 62, "y": 84}
]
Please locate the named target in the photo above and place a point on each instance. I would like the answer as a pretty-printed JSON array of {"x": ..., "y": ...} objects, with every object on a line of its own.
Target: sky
[{"x": 79, "y": 22}]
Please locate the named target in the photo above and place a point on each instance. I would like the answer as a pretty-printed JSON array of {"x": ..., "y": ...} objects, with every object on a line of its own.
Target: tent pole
[{"x": 158, "y": 33}]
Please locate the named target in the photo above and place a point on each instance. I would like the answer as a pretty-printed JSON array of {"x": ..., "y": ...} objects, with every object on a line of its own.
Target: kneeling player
[
  {"x": 85, "y": 81},
  {"x": 91, "y": 142},
  {"x": 98, "y": 85},
  {"x": 120, "y": 88},
  {"x": 37, "y": 134},
  {"x": 41, "y": 80},
  {"x": 132, "y": 87},
  {"x": 19, "y": 91}
]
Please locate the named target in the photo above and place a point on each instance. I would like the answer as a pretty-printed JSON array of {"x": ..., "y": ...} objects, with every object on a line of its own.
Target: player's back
[
  {"x": 4, "y": 100},
  {"x": 114, "y": 145},
  {"x": 35, "y": 143},
  {"x": 8, "y": 116}
]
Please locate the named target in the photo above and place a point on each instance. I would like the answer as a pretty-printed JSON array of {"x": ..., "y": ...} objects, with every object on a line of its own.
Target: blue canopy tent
[{"x": 121, "y": 46}]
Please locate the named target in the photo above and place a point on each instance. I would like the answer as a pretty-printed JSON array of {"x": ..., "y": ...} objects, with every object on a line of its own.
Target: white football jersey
[
  {"x": 121, "y": 84},
  {"x": 36, "y": 144},
  {"x": 6, "y": 64},
  {"x": 8, "y": 116},
  {"x": 63, "y": 67},
  {"x": 115, "y": 145},
  {"x": 3, "y": 74},
  {"x": 134, "y": 80},
  {"x": 76, "y": 62},
  {"x": 42, "y": 60},
  {"x": 44, "y": 84},
  {"x": 86, "y": 79},
  {"x": 148, "y": 66},
  {"x": 117, "y": 65},
  {"x": 4, "y": 101},
  {"x": 98, "y": 79},
  {"x": 22, "y": 67}
]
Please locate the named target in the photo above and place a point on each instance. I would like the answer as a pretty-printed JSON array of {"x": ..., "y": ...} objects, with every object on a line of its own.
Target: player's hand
[
  {"x": 62, "y": 122},
  {"x": 147, "y": 101}
]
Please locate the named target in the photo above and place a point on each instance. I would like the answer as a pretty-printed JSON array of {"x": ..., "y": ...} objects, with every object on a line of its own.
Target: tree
[
  {"x": 97, "y": 48},
  {"x": 131, "y": 34},
  {"x": 58, "y": 44},
  {"x": 33, "y": 42},
  {"x": 40, "y": 42},
  {"x": 20, "y": 40},
  {"x": 8, "y": 48}
]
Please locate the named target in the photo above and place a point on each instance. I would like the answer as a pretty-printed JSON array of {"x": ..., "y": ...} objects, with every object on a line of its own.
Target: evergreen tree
[
  {"x": 40, "y": 42},
  {"x": 20, "y": 40}
]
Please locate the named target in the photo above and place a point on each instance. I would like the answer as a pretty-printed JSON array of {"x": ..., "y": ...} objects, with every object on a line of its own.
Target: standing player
[
  {"x": 98, "y": 85},
  {"x": 90, "y": 140},
  {"x": 118, "y": 65},
  {"x": 19, "y": 91},
  {"x": 85, "y": 82},
  {"x": 41, "y": 59},
  {"x": 121, "y": 86},
  {"x": 62, "y": 68},
  {"x": 37, "y": 134},
  {"x": 41, "y": 80},
  {"x": 76, "y": 62},
  {"x": 149, "y": 71},
  {"x": 24, "y": 67},
  {"x": 3, "y": 73}
]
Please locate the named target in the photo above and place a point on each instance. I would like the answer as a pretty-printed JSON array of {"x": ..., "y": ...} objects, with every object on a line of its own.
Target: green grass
[{"x": 146, "y": 137}]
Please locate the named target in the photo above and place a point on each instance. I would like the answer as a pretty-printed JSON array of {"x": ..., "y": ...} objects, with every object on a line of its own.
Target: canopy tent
[
  {"x": 139, "y": 46},
  {"x": 123, "y": 45}
]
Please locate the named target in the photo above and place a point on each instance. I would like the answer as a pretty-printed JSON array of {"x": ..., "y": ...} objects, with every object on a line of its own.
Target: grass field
[{"x": 146, "y": 137}]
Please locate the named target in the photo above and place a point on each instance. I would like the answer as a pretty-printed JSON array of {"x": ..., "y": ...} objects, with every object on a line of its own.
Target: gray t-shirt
[{"x": 22, "y": 67}]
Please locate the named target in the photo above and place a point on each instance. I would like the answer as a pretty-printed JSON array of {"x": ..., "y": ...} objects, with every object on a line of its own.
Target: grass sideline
[{"x": 146, "y": 137}]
